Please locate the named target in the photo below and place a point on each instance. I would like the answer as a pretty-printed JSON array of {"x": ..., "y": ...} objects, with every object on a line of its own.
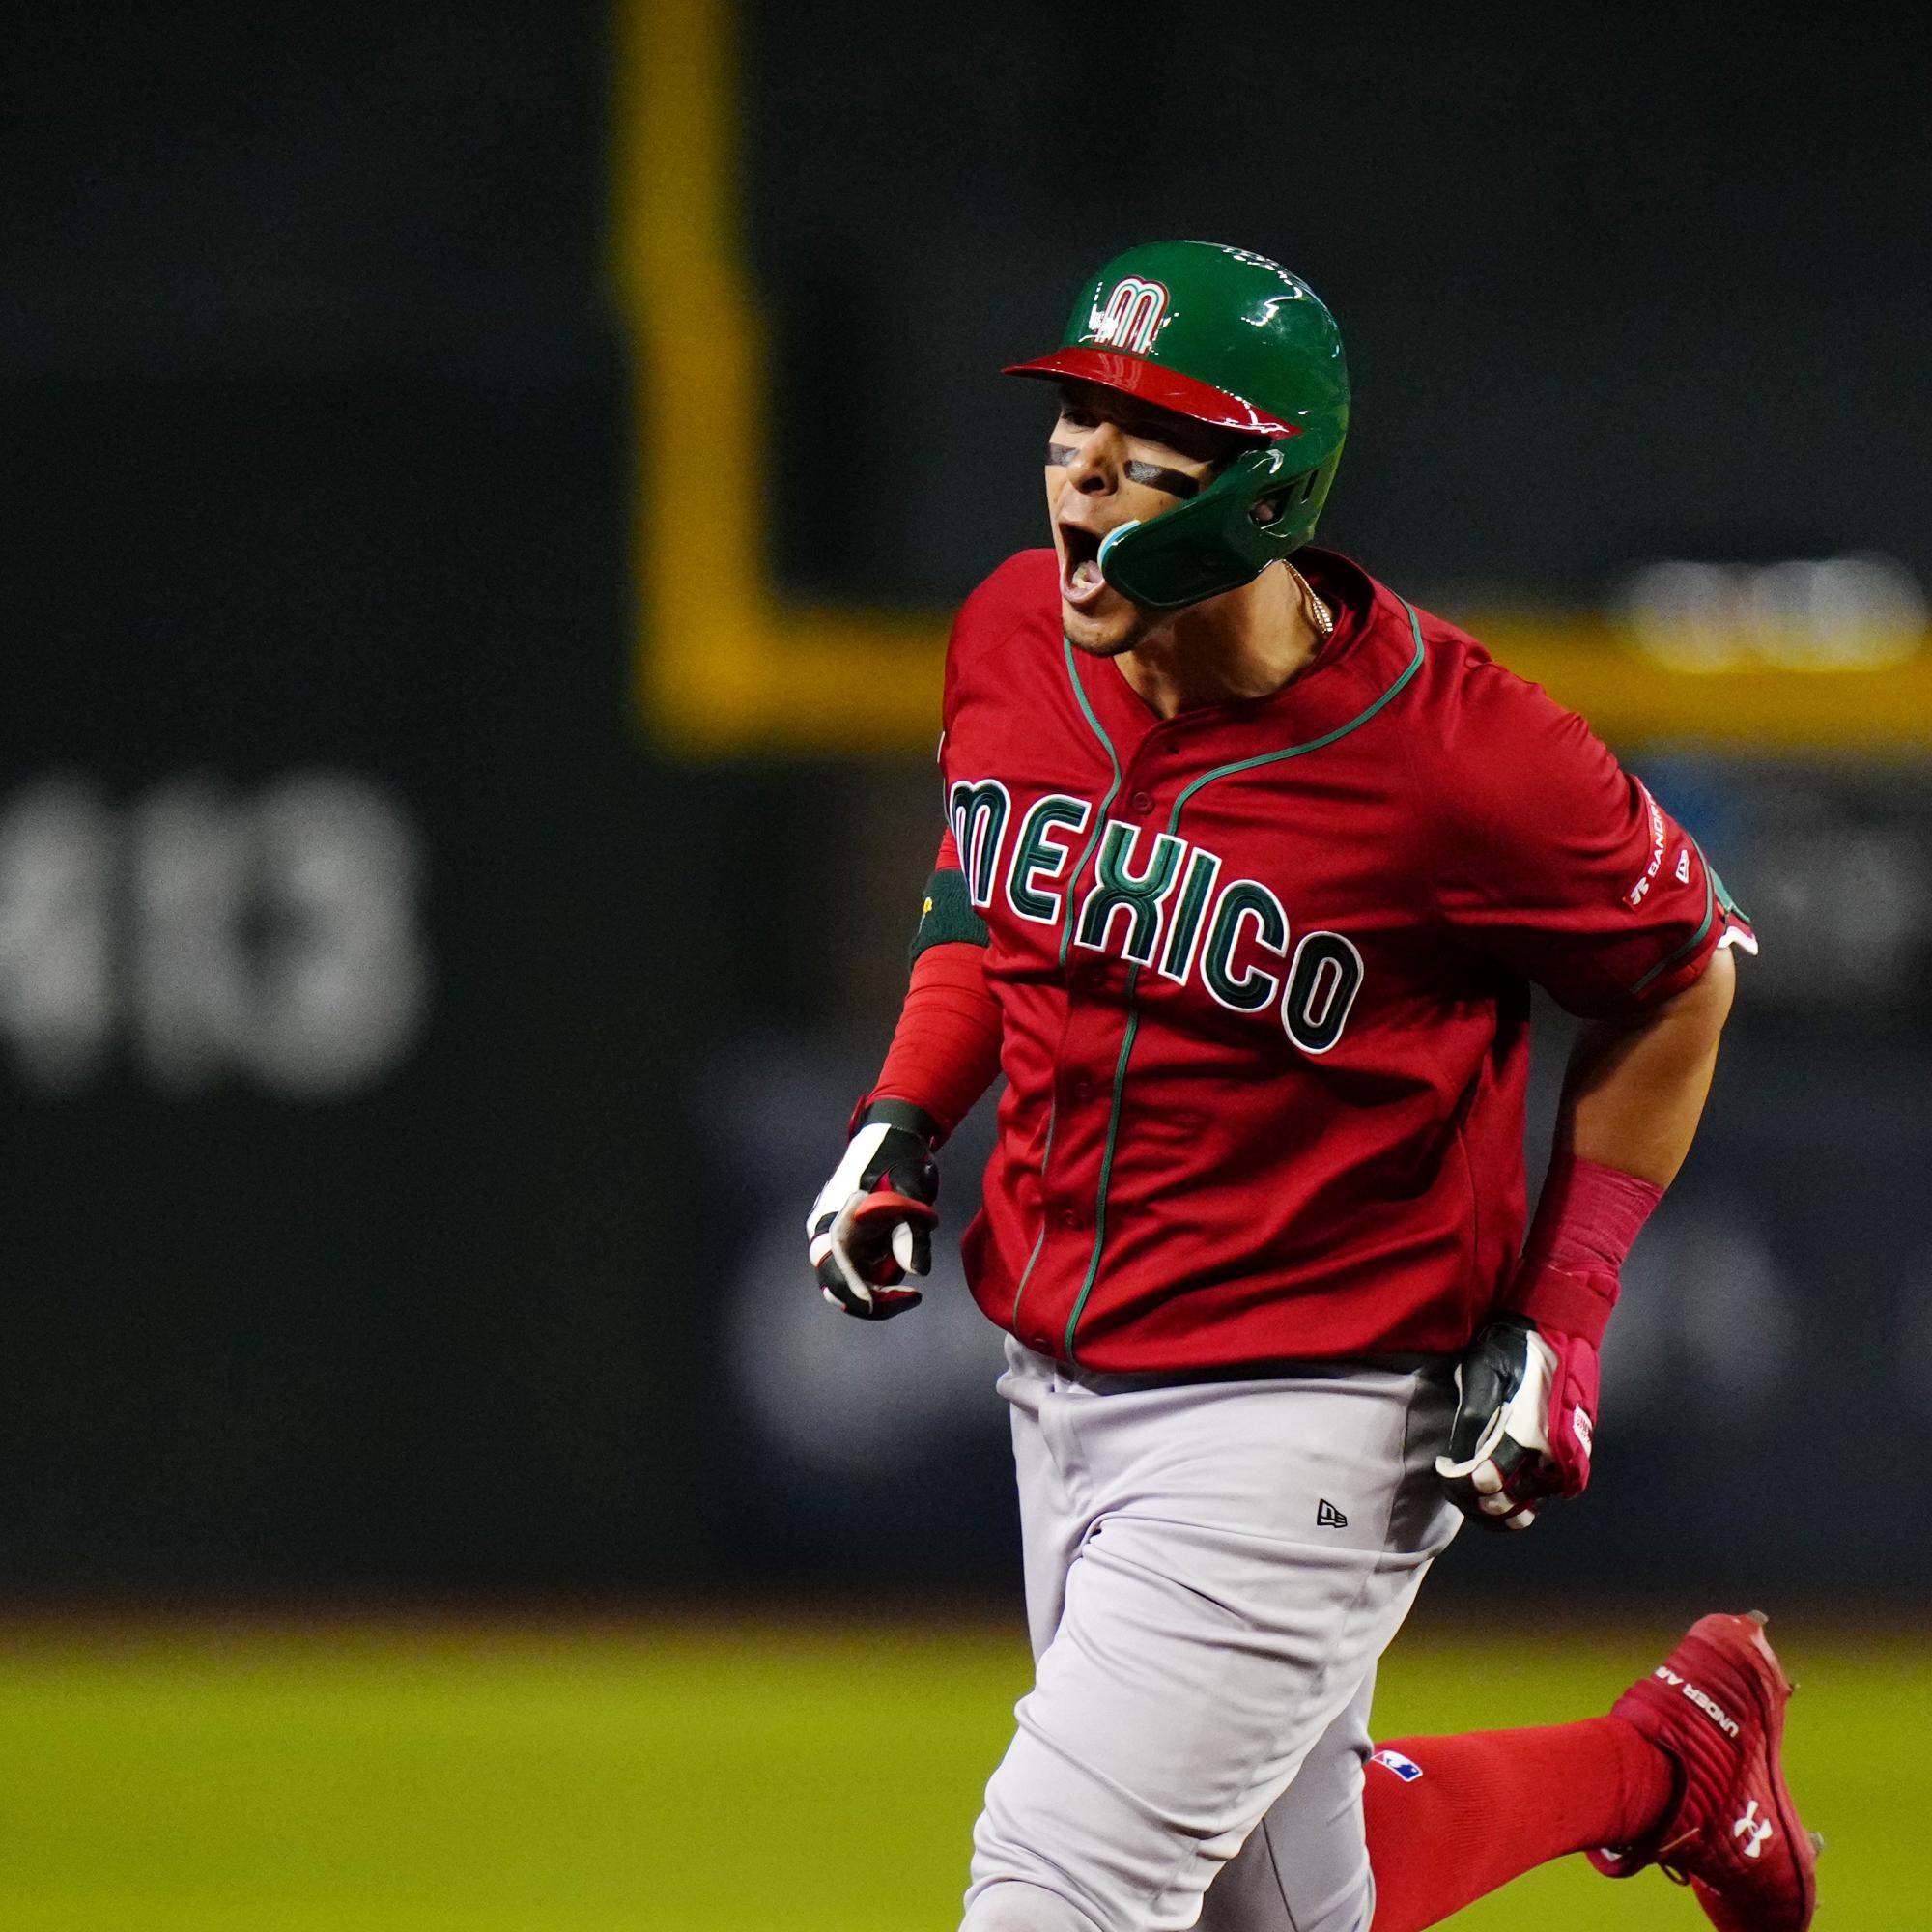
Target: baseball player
[{"x": 1249, "y": 865}]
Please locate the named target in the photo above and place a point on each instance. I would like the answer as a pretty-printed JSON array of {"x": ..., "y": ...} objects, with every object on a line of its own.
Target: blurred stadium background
[{"x": 486, "y": 485}]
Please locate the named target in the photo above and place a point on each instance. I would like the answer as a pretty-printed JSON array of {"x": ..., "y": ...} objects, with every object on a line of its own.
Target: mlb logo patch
[{"x": 1405, "y": 1768}]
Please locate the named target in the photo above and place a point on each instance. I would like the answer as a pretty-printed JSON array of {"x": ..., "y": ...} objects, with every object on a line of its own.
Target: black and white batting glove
[
  {"x": 872, "y": 1225},
  {"x": 1498, "y": 1471}
]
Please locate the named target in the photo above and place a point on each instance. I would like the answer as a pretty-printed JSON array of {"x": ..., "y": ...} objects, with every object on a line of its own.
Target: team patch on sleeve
[
  {"x": 946, "y": 915},
  {"x": 1659, "y": 840}
]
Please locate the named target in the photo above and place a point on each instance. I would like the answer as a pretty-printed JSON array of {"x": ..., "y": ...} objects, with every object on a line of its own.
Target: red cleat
[{"x": 1716, "y": 1707}]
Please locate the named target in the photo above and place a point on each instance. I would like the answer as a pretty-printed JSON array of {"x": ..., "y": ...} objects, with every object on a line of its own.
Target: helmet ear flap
[
  {"x": 1286, "y": 502},
  {"x": 1216, "y": 542}
]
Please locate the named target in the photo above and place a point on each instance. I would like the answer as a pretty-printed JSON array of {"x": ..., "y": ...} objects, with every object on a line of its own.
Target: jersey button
[
  {"x": 1083, "y": 1090},
  {"x": 1142, "y": 801},
  {"x": 1069, "y": 1217}
]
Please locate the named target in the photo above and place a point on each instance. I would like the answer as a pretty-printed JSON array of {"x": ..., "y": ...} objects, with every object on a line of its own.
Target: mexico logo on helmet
[{"x": 1132, "y": 315}]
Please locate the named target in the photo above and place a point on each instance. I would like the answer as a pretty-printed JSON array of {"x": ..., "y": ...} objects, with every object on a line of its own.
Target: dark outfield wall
[{"x": 413, "y": 1079}]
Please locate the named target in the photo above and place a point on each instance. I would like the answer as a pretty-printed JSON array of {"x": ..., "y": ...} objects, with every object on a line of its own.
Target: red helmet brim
[{"x": 1151, "y": 381}]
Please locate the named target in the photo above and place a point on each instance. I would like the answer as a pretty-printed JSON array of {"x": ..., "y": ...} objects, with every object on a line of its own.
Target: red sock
[{"x": 1453, "y": 1818}]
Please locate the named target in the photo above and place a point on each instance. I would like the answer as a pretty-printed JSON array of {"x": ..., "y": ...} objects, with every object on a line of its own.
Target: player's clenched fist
[
  {"x": 872, "y": 1225},
  {"x": 1526, "y": 1403},
  {"x": 1528, "y": 1385},
  {"x": 1500, "y": 1467}
]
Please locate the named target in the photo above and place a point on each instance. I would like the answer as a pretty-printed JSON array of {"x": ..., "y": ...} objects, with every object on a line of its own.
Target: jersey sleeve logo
[{"x": 1635, "y": 898}]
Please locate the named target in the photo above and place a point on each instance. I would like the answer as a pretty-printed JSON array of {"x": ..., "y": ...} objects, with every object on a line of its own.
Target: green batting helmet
[{"x": 1231, "y": 339}]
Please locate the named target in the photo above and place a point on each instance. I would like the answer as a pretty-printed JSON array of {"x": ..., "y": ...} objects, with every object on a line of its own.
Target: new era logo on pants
[{"x": 1328, "y": 1516}]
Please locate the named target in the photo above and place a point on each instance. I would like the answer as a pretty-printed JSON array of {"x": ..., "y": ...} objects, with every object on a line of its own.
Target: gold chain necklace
[{"x": 1319, "y": 614}]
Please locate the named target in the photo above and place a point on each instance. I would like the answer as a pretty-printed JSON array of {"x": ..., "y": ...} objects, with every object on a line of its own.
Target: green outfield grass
[{"x": 744, "y": 1778}]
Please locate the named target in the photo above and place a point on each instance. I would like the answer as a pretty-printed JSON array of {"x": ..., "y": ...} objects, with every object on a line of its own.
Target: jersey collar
[{"x": 1372, "y": 647}]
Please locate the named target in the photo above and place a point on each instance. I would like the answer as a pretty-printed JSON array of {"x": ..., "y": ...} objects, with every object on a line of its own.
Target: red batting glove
[
  {"x": 1587, "y": 1223},
  {"x": 872, "y": 1225},
  {"x": 1570, "y": 1313},
  {"x": 1527, "y": 1386}
]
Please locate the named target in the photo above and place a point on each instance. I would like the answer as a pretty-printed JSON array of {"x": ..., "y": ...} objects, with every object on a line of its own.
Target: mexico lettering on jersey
[
  {"x": 1174, "y": 911},
  {"x": 1264, "y": 974}
]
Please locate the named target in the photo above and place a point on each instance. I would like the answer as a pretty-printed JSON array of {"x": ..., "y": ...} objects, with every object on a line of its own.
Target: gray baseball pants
[{"x": 1213, "y": 1570}]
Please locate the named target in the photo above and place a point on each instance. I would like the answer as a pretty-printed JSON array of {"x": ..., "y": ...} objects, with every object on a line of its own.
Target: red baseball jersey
[{"x": 1263, "y": 976}]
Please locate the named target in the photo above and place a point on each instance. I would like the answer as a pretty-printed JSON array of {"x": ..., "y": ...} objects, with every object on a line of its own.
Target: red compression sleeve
[
  {"x": 1587, "y": 1223},
  {"x": 946, "y": 1049}
]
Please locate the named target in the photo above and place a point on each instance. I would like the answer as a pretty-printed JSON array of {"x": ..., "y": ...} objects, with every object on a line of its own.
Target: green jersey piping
[
  {"x": 1039, "y": 1239},
  {"x": 1066, "y": 924},
  {"x": 1206, "y": 779},
  {"x": 1697, "y": 939},
  {"x": 1724, "y": 899},
  {"x": 1100, "y": 816}
]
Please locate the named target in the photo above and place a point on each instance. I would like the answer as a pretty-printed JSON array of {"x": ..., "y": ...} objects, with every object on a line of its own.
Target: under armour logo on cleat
[
  {"x": 1749, "y": 1828},
  {"x": 1328, "y": 1516}
]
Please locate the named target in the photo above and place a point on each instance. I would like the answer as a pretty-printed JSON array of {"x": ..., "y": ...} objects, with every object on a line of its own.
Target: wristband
[
  {"x": 1587, "y": 1223},
  {"x": 900, "y": 1114},
  {"x": 1571, "y": 1304}
]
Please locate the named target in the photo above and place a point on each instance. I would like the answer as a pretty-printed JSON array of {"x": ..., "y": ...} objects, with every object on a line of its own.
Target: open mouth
[{"x": 1080, "y": 579}]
